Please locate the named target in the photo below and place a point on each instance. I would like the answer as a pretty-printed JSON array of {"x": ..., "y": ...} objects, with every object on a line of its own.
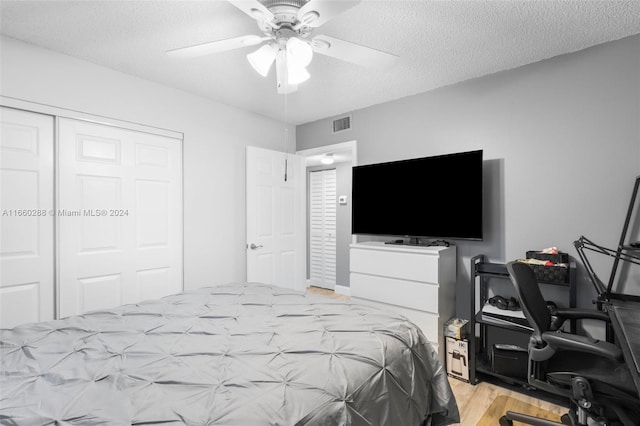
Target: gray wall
[
  {"x": 561, "y": 141},
  {"x": 343, "y": 220}
]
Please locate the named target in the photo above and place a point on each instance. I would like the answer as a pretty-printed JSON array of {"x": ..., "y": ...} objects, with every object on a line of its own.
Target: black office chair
[{"x": 589, "y": 372}]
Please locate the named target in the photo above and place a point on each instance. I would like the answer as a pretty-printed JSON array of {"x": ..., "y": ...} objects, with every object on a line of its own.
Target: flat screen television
[{"x": 431, "y": 197}]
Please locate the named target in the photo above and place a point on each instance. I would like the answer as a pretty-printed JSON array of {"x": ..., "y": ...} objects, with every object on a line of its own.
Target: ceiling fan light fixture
[
  {"x": 299, "y": 51},
  {"x": 262, "y": 59},
  {"x": 288, "y": 26},
  {"x": 283, "y": 86},
  {"x": 296, "y": 74}
]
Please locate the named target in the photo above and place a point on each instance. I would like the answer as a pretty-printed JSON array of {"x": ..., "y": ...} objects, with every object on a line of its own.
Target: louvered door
[{"x": 322, "y": 228}]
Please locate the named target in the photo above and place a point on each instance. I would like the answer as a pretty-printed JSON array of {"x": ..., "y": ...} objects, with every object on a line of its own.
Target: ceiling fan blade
[
  {"x": 216, "y": 46},
  {"x": 351, "y": 52},
  {"x": 317, "y": 12},
  {"x": 282, "y": 76},
  {"x": 253, "y": 8}
]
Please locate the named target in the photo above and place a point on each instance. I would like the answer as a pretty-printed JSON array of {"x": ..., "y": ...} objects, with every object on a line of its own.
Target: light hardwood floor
[
  {"x": 326, "y": 292},
  {"x": 473, "y": 400}
]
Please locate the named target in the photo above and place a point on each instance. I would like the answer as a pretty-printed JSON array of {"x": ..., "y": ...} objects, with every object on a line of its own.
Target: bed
[{"x": 244, "y": 354}]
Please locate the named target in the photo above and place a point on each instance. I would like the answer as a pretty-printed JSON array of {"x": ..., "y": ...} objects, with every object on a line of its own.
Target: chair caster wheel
[
  {"x": 504, "y": 421},
  {"x": 565, "y": 419}
]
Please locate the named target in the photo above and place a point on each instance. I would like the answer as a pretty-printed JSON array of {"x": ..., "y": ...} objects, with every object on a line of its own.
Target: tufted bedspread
[{"x": 241, "y": 354}]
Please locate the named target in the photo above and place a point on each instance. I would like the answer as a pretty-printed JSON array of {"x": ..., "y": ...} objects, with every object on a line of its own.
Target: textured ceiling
[{"x": 438, "y": 43}]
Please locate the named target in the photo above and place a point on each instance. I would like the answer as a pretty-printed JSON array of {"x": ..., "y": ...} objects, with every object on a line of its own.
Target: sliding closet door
[
  {"x": 119, "y": 215},
  {"x": 26, "y": 208},
  {"x": 322, "y": 228}
]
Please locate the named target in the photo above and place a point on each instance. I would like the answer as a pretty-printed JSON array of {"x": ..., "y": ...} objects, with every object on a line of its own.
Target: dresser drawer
[
  {"x": 421, "y": 296},
  {"x": 427, "y": 322},
  {"x": 387, "y": 263}
]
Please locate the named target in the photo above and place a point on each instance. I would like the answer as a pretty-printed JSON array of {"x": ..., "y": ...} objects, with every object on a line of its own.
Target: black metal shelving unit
[
  {"x": 479, "y": 348},
  {"x": 626, "y": 251}
]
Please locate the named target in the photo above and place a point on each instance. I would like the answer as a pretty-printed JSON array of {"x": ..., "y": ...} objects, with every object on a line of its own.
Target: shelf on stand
[{"x": 491, "y": 328}]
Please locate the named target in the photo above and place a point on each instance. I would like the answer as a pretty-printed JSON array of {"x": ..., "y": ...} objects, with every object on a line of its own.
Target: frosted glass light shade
[
  {"x": 296, "y": 74},
  {"x": 299, "y": 51},
  {"x": 262, "y": 59},
  {"x": 327, "y": 159},
  {"x": 299, "y": 55}
]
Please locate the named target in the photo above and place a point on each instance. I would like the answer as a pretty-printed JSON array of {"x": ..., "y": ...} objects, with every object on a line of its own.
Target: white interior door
[
  {"x": 275, "y": 218},
  {"x": 322, "y": 228},
  {"x": 27, "y": 220},
  {"x": 119, "y": 216}
]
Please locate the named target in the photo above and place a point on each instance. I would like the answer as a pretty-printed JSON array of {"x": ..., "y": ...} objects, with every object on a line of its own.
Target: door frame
[{"x": 351, "y": 146}]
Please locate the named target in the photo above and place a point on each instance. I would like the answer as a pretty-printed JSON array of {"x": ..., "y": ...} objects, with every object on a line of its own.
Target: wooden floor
[
  {"x": 473, "y": 400},
  {"x": 325, "y": 292}
]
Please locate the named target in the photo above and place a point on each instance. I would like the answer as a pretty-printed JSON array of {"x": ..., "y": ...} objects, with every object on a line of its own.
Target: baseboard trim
[{"x": 342, "y": 289}]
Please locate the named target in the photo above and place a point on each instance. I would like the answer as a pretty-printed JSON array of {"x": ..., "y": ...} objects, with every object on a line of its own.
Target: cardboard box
[
  {"x": 457, "y": 358},
  {"x": 456, "y": 328}
]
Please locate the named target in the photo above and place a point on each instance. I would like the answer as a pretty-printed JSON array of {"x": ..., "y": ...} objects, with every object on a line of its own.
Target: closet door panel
[
  {"x": 158, "y": 220},
  {"x": 323, "y": 226},
  {"x": 27, "y": 217},
  {"x": 122, "y": 239}
]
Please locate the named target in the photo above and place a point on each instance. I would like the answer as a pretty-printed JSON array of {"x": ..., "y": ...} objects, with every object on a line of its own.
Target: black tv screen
[{"x": 433, "y": 197}]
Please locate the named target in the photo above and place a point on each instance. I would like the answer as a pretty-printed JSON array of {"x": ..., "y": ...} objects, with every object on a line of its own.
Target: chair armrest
[
  {"x": 574, "y": 342},
  {"x": 581, "y": 314}
]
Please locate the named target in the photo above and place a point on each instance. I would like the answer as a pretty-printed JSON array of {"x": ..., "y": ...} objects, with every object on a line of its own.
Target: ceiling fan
[{"x": 289, "y": 32}]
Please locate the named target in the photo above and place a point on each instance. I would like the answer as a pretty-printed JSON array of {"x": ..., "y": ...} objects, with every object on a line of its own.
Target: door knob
[{"x": 254, "y": 247}]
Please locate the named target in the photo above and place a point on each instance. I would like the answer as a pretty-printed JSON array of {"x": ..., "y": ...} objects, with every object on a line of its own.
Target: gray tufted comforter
[{"x": 237, "y": 354}]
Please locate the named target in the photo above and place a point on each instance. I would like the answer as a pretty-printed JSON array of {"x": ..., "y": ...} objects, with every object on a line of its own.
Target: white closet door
[
  {"x": 322, "y": 216},
  {"x": 119, "y": 215},
  {"x": 26, "y": 205}
]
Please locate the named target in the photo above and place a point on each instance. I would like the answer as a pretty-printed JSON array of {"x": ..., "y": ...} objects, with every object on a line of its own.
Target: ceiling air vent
[{"x": 341, "y": 124}]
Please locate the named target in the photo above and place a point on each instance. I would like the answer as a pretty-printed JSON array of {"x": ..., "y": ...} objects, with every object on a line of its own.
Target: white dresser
[{"x": 415, "y": 281}]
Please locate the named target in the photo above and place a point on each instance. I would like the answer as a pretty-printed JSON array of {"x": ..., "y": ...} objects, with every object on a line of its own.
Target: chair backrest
[{"x": 533, "y": 304}]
